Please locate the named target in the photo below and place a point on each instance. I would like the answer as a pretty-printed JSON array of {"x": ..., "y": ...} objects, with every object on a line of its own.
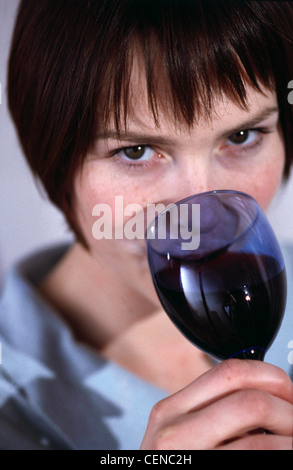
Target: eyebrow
[
  {"x": 142, "y": 138},
  {"x": 137, "y": 137},
  {"x": 254, "y": 121}
]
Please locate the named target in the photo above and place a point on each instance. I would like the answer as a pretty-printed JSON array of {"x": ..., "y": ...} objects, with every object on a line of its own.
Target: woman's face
[{"x": 236, "y": 148}]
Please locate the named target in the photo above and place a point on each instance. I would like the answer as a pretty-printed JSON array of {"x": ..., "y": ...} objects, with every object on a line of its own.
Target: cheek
[
  {"x": 88, "y": 192},
  {"x": 268, "y": 181},
  {"x": 104, "y": 208},
  {"x": 265, "y": 190},
  {"x": 262, "y": 185},
  {"x": 92, "y": 193},
  {"x": 263, "y": 180}
]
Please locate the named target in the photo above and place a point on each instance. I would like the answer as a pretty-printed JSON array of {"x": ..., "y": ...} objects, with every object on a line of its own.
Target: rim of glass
[{"x": 210, "y": 193}]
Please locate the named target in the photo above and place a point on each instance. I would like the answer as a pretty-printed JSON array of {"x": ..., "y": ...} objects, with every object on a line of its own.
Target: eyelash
[
  {"x": 140, "y": 164},
  {"x": 134, "y": 164},
  {"x": 244, "y": 148}
]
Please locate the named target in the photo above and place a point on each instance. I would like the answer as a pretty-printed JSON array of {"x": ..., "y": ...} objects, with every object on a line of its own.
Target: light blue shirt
[{"x": 56, "y": 393}]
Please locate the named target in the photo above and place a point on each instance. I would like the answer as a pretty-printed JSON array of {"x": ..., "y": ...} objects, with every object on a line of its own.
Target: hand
[{"x": 228, "y": 407}]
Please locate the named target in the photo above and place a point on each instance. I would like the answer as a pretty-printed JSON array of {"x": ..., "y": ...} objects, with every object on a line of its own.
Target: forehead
[
  {"x": 223, "y": 113},
  {"x": 152, "y": 105}
]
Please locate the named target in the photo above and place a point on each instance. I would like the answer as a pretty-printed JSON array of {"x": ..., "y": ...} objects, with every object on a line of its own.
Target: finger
[
  {"x": 260, "y": 442},
  {"x": 237, "y": 414},
  {"x": 213, "y": 393},
  {"x": 222, "y": 421},
  {"x": 234, "y": 415},
  {"x": 230, "y": 376}
]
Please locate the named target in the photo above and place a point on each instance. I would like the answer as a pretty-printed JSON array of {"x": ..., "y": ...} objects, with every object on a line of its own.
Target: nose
[{"x": 190, "y": 176}]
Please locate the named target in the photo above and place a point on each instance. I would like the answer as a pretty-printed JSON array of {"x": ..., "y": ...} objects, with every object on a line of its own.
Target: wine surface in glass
[{"x": 228, "y": 304}]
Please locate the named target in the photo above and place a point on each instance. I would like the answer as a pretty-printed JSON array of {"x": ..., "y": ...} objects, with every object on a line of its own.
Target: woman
[{"x": 150, "y": 102}]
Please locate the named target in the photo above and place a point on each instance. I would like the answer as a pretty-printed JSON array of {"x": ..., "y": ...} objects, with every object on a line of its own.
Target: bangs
[{"x": 199, "y": 49}]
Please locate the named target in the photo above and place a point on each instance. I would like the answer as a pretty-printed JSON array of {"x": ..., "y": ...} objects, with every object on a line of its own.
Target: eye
[
  {"x": 246, "y": 137},
  {"x": 136, "y": 153}
]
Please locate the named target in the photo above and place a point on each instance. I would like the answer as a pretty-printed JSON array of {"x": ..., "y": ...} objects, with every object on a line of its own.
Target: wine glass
[{"x": 219, "y": 273}]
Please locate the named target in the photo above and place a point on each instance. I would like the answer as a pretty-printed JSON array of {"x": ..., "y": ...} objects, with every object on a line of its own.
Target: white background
[{"x": 27, "y": 220}]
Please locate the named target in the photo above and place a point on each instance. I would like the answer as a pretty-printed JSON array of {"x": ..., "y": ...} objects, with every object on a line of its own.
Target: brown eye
[
  {"x": 137, "y": 153},
  {"x": 134, "y": 153},
  {"x": 239, "y": 138}
]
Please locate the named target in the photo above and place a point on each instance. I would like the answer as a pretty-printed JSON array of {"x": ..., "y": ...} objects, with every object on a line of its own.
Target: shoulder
[
  {"x": 24, "y": 276},
  {"x": 20, "y": 302}
]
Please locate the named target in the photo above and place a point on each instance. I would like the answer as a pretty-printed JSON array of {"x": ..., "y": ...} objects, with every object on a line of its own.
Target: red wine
[{"x": 230, "y": 304}]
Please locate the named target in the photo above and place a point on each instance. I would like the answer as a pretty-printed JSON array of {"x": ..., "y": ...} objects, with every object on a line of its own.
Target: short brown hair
[{"x": 71, "y": 60}]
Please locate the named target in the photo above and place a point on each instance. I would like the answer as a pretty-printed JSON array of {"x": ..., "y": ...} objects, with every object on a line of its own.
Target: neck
[
  {"x": 96, "y": 301},
  {"x": 122, "y": 318}
]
